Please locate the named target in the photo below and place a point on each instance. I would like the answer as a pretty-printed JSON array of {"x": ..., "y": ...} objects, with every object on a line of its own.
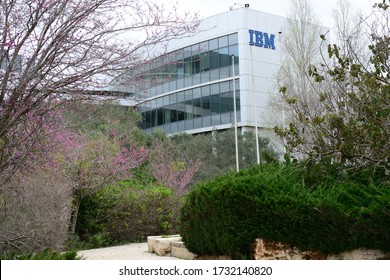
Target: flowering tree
[
  {"x": 57, "y": 49},
  {"x": 89, "y": 162},
  {"x": 170, "y": 170}
]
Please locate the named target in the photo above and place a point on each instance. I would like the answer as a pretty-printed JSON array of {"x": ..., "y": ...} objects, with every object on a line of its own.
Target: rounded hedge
[{"x": 225, "y": 215}]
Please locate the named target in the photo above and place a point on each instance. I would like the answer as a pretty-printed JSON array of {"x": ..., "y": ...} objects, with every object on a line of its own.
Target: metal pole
[
  {"x": 235, "y": 115},
  {"x": 255, "y": 104}
]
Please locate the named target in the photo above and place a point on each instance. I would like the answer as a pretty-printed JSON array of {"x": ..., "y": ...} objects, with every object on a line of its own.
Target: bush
[
  {"x": 47, "y": 254},
  {"x": 225, "y": 215},
  {"x": 35, "y": 210},
  {"x": 128, "y": 213}
]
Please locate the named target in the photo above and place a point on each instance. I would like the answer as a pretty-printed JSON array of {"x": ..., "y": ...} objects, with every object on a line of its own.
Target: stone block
[
  {"x": 180, "y": 251},
  {"x": 161, "y": 245}
]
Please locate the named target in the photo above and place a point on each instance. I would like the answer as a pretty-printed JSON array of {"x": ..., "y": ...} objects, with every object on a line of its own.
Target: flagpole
[{"x": 235, "y": 116}]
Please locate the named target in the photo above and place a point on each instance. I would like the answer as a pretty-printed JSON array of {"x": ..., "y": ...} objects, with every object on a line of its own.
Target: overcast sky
[{"x": 323, "y": 8}]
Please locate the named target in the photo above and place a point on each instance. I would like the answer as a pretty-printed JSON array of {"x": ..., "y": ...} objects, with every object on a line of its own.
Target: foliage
[
  {"x": 47, "y": 254},
  {"x": 64, "y": 51},
  {"x": 347, "y": 121},
  {"x": 280, "y": 203},
  {"x": 126, "y": 212},
  {"x": 216, "y": 151},
  {"x": 91, "y": 160},
  {"x": 170, "y": 168},
  {"x": 105, "y": 118}
]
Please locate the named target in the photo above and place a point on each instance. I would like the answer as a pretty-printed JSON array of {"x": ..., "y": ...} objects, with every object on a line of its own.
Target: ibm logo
[{"x": 261, "y": 39}]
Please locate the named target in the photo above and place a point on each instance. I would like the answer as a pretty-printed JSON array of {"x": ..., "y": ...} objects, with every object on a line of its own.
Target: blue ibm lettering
[{"x": 261, "y": 39}]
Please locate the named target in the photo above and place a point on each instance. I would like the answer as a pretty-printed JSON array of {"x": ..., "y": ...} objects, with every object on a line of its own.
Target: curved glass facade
[
  {"x": 200, "y": 107},
  {"x": 189, "y": 88}
]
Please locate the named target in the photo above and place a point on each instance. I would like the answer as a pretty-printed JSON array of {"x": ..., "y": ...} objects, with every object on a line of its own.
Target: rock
[
  {"x": 161, "y": 245},
  {"x": 270, "y": 250}
]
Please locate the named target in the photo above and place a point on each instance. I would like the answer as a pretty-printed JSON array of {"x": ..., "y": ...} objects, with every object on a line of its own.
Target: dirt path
[{"x": 133, "y": 251}]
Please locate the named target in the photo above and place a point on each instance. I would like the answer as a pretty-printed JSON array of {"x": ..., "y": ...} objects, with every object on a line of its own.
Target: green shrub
[
  {"x": 128, "y": 213},
  {"x": 47, "y": 254},
  {"x": 225, "y": 215}
]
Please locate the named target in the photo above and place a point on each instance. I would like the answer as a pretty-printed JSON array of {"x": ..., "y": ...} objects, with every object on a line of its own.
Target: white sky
[{"x": 322, "y": 8}]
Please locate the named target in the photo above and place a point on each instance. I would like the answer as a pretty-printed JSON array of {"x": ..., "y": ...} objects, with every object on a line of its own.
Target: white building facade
[{"x": 191, "y": 88}]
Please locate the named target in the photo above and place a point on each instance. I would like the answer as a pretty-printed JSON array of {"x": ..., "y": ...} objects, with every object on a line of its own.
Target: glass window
[
  {"x": 223, "y": 41},
  {"x": 180, "y": 115},
  {"x": 188, "y": 110},
  {"x": 215, "y": 88},
  {"x": 187, "y": 52},
  {"x": 187, "y": 66},
  {"x": 167, "y": 115},
  {"x": 215, "y": 104},
  {"x": 159, "y": 102},
  {"x": 205, "y": 76},
  {"x": 214, "y": 59},
  {"x": 206, "y": 106},
  {"x": 233, "y": 39},
  {"x": 226, "y": 118},
  {"x": 216, "y": 119},
  {"x": 204, "y": 62},
  {"x": 188, "y": 95},
  {"x": 180, "y": 83},
  {"x": 197, "y": 123},
  {"x": 224, "y": 72},
  {"x": 179, "y": 54},
  {"x": 165, "y": 87},
  {"x": 224, "y": 58},
  {"x": 188, "y": 81},
  {"x": 204, "y": 47},
  {"x": 148, "y": 120},
  {"x": 195, "y": 64},
  {"x": 225, "y": 86},
  {"x": 173, "y": 113},
  {"x": 197, "y": 109},
  {"x": 189, "y": 124},
  {"x": 233, "y": 50},
  {"x": 172, "y": 85},
  {"x": 173, "y": 127},
  {"x": 173, "y": 98},
  {"x": 160, "y": 116},
  {"x": 226, "y": 101},
  {"x": 165, "y": 100},
  {"x": 214, "y": 74},
  {"x": 180, "y": 69},
  {"x": 213, "y": 44},
  {"x": 195, "y": 49},
  {"x": 180, "y": 126},
  {"x": 153, "y": 120},
  {"x": 206, "y": 121},
  {"x": 196, "y": 93},
  {"x": 180, "y": 96},
  {"x": 196, "y": 79},
  {"x": 205, "y": 90}
]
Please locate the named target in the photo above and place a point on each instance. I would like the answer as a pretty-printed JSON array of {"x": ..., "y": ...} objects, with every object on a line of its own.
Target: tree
[
  {"x": 349, "y": 129},
  {"x": 299, "y": 49},
  {"x": 216, "y": 151},
  {"x": 55, "y": 50},
  {"x": 91, "y": 160},
  {"x": 170, "y": 168}
]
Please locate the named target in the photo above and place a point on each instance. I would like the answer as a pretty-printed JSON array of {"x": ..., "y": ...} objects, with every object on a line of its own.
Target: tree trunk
[{"x": 75, "y": 213}]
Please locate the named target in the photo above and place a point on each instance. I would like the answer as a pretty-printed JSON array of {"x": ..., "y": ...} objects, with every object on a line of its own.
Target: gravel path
[{"x": 133, "y": 251}]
